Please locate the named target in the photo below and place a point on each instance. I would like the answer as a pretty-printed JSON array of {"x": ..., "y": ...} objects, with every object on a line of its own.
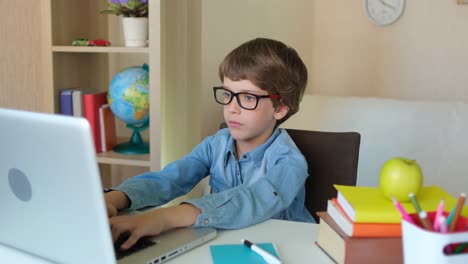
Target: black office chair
[{"x": 332, "y": 158}]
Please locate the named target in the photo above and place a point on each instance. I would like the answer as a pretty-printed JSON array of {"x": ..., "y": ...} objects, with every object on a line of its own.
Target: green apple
[{"x": 400, "y": 177}]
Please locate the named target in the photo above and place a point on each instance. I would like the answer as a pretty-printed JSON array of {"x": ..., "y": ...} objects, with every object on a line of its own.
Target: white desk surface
[{"x": 295, "y": 242}]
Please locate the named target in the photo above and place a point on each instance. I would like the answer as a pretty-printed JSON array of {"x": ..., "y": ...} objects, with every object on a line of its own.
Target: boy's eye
[
  {"x": 249, "y": 98},
  {"x": 226, "y": 95}
]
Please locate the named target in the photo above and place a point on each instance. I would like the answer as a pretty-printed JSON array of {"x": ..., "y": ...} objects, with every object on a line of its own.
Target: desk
[{"x": 295, "y": 242}]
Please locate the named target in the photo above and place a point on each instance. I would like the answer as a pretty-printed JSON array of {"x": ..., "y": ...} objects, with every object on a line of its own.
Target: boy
[{"x": 257, "y": 172}]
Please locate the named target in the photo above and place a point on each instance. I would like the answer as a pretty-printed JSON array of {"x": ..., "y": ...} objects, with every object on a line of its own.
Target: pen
[
  {"x": 400, "y": 208},
  {"x": 269, "y": 258},
  {"x": 439, "y": 212},
  {"x": 415, "y": 202},
  {"x": 458, "y": 208}
]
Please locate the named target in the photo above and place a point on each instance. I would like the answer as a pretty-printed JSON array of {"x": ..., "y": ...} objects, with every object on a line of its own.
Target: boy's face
[{"x": 251, "y": 127}]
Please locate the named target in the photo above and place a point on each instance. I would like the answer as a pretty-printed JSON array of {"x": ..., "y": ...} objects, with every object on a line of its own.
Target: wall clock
[{"x": 384, "y": 12}]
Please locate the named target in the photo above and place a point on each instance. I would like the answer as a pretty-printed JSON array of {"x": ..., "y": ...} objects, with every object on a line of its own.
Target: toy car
[
  {"x": 80, "y": 42},
  {"x": 99, "y": 42}
]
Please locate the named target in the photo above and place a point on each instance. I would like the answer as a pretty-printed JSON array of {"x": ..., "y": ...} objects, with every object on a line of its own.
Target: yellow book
[{"x": 368, "y": 204}]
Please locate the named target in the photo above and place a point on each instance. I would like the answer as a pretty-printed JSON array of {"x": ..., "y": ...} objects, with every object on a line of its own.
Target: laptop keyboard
[{"x": 139, "y": 245}]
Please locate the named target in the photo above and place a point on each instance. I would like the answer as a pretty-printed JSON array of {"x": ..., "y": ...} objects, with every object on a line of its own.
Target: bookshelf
[
  {"x": 91, "y": 68},
  {"x": 172, "y": 132},
  {"x": 77, "y": 49}
]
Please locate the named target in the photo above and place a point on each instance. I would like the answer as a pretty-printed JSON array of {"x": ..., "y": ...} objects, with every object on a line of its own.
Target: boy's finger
[
  {"x": 115, "y": 234},
  {"x": 130, "y": 241}
]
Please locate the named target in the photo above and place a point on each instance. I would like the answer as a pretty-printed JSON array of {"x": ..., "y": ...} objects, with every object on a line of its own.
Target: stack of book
[
  {"x": 93, "y": 107},
  {"x": 346, "y": 249},
  {"x": 363, "y": 226}
]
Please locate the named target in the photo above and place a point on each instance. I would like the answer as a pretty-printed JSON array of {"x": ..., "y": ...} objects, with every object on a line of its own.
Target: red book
[{"x": 91, "y": 104}]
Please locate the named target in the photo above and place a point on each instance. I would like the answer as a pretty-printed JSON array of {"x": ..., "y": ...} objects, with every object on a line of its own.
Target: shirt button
[
  {"x": 245, "y": 156},
  {"x": 275, "y": 193},
  {"x": 205, "y": 222}
]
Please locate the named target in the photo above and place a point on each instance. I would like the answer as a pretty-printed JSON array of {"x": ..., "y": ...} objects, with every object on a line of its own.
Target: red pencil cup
[{"x": 421, "y": 245}]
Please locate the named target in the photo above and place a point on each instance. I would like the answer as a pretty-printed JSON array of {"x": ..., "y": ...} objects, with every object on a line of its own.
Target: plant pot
[{"x": 135, "y": 31}]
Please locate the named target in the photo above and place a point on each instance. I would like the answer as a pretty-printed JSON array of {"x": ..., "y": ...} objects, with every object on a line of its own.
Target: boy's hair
[{"x": 271, "y": 66}]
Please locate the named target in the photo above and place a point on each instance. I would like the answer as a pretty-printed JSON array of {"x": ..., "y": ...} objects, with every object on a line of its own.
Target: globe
[{"x": 129, "y": 101}]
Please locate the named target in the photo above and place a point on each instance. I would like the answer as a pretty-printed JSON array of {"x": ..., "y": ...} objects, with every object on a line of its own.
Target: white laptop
[{"x": 51, "y": 197}]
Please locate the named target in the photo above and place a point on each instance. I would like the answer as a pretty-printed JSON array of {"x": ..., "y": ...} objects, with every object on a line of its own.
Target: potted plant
[{"x": 134, "y": 20}]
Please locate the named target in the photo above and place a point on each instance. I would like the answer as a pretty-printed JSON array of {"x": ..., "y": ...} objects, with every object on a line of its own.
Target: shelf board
[
  {"x": 93, "y": 49},
  {"x": 111, "y": 157}
]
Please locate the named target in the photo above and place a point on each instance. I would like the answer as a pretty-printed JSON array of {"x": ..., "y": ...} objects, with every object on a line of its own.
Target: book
[
  {"x": 77, "y": 103},
  {"x": 360, "y": 229},
  {"x": 91, "y": 104},
  {"x": 368, "y": 205},
  {"x": 239, "y": 253},
  {"x": 66, "y": 102},
  {"x": 351, "y": 250},
  {"x": 107, "y": 128}
]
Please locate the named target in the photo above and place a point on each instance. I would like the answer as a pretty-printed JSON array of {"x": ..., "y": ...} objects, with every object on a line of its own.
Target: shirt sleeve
[
  {"x": 176, "y": 179},
  {"x": 246, "y": 205}
]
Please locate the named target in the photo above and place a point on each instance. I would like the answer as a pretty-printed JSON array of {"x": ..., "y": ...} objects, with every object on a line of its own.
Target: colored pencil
[
  {"x": 415, "y": 202},
  {"x": 439, "y": 212},
  {"x": 400, "y": 208},
  {"x": 425, "y": 221},
  {"x": 442, "y": 224},
  {"x": 459, "y": 206},
  {"x": 460, "y": 248}
]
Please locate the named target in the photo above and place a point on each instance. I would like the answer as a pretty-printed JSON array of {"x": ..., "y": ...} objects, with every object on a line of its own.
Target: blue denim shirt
[{"x": 265, "y": 183}]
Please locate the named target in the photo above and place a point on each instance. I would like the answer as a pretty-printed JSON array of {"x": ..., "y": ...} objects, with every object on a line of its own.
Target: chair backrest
[{"x": 332, "y": 158}]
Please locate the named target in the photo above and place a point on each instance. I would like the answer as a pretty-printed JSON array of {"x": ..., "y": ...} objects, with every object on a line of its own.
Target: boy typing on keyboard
[{"x": 256, "y": 170}]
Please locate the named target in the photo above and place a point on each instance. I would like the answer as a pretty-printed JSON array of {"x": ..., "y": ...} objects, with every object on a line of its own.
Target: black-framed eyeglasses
[{"x": 247, "y": 101}]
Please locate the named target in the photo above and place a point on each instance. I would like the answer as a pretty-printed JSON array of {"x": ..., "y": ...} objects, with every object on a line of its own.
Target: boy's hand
[
  {"x": 115, "y": 201},
  {"x": 152, "y": 223},
  {"x": 136, "y": 226},
  {"x": 111, "y": 210}
]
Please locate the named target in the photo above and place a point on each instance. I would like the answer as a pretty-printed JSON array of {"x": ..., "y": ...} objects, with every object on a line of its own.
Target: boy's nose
[{"x": 233, "y": 106}]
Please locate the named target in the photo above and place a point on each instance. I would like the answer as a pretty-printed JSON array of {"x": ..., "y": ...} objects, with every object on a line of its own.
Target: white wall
[
  {"x": 423, "y": 56},
  {"x": 432, "y": 133},
  {"x": 226, "y": 24}
]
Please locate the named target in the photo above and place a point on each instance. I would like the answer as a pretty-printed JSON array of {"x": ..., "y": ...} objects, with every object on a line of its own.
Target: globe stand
[{"x": 136, "y": 145}]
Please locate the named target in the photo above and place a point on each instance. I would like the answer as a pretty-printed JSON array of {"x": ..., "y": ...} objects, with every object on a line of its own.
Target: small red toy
[{"x": 98, "y": 42}]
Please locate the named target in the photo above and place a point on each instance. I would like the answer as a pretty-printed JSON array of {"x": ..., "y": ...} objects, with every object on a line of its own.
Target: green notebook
[
  {"x": 239, "y": 253},
  {"x": 368, "y": 204}
]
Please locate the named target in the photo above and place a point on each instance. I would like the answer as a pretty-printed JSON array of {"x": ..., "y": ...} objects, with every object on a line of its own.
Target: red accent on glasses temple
[{"x": 275, "y": 96}]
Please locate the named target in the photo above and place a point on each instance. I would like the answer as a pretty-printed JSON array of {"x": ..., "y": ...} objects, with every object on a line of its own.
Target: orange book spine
[
  {"x": 377, "y": 230},
  {"x": 370, "y": 229},
  {"x": 107, "y": 126}
]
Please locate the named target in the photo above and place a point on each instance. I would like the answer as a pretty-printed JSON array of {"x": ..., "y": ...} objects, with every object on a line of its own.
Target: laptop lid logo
[{"x": 19, "y": 184}]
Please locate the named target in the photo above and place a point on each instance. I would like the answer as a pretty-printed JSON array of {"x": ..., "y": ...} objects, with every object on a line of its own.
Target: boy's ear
[{"x": 281, "y": 111}]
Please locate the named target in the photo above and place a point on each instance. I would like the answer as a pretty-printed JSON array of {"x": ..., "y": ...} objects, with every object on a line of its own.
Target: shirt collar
[{"x": 255, "y": 155}]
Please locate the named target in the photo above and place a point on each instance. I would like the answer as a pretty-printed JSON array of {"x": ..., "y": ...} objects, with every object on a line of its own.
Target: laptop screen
[
  {"x": 52, "y": 199},
  {"x": 50, "y": 192}
]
